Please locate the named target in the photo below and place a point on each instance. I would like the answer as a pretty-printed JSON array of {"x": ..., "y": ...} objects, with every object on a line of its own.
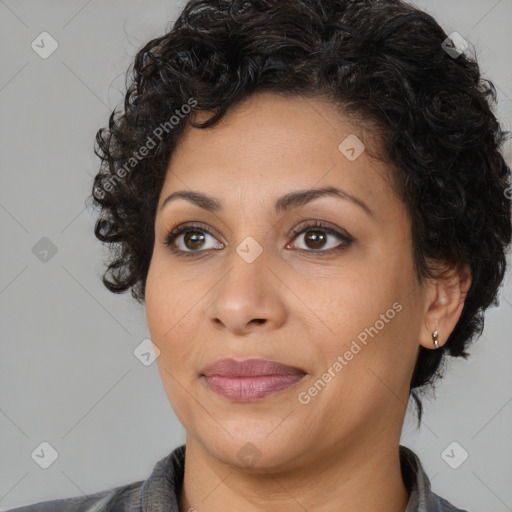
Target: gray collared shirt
[{"x": 160, "y": 492}]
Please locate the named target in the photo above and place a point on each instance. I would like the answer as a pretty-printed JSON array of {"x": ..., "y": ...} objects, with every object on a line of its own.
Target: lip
[
  {"x": 230, "y": 367},
  {"x": 250, "y": 379}
]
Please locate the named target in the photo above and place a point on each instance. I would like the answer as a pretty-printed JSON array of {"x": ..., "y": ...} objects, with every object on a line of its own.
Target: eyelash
[{"x": 185, "y": 228}]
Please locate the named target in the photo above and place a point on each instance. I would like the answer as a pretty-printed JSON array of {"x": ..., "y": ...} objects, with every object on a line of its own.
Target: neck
[{"x": 363, "y": 478}]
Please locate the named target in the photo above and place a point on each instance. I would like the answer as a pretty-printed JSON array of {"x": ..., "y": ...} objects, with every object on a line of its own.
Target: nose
[{"x": 248, "y": 297}]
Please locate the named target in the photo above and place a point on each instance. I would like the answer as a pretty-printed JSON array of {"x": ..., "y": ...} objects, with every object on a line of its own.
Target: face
[{"x": 325, "y": 285}]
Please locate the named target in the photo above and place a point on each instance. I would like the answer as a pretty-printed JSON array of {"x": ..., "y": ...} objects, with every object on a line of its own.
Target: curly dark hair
[{"x": 382, "y": 61}]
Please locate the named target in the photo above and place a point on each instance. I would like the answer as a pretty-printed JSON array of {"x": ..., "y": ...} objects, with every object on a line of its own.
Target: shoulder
[
  {"x": 162, "y": 487},
  {"x": 126, "y": 497},
  {"x": 442, "y": 505},
  {"x": 421, "y": 496}
]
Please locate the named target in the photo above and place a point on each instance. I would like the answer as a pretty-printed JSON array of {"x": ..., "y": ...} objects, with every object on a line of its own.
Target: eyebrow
[{"x": 285, "y": 203}]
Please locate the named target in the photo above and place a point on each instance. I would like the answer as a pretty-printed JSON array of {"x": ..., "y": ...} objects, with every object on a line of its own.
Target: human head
[{"x": 382, "y": 64}]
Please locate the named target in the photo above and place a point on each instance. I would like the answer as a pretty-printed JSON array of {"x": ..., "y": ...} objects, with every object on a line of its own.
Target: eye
[
  {"x": 192, "y": 239},
  {"x": 317, "y": 234},
  {"x": 189, "y": 240}
]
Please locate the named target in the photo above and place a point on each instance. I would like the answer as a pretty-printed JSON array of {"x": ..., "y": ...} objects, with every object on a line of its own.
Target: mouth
[{"x": 250, "y": 379}]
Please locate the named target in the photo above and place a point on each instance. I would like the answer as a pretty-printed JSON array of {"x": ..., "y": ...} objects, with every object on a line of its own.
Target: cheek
[
  {"x": 173, "y": 300},
  {"x": 367, "y": 314},
  {"x": 157, "y": 304},
  {"x": 172, "y": 330},
  {"x": 164, "y": 301}
]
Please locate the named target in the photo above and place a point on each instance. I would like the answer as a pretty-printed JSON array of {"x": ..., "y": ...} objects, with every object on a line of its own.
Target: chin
[{"x": 255, "y": 451}]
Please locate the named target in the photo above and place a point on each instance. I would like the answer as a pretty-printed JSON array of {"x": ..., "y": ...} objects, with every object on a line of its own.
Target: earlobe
[{"x": 447, "y": 297}]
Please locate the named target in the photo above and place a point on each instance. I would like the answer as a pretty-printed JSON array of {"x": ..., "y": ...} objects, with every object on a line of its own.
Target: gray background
[{"x": 68, "y": 374}]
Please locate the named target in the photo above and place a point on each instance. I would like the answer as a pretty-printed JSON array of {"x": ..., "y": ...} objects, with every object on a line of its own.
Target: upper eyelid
[{"x": 305, "y": 224}]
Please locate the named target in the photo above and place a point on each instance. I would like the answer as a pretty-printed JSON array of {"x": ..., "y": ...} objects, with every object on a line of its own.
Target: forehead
[{"x": 270, "y": 144}]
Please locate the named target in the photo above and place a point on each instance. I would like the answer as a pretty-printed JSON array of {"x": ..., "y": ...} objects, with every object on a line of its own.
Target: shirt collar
[{"x": 416, "y": 482}]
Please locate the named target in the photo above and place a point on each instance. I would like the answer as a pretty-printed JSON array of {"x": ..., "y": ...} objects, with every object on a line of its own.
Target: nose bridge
[
  {"x": 247, "y": 262},
  {"x": 249, "y": 232},
  {"x": 245, "y": 292}
]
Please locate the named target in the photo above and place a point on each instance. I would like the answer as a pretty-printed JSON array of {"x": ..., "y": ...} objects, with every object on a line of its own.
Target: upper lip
[{"x": 232, "y": 368}]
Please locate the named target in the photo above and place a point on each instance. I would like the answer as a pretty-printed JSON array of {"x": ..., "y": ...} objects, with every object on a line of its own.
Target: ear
[{"x": 445, "y": 301}]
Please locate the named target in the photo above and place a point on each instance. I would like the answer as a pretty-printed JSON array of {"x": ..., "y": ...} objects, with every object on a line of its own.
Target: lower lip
[{"x": 248, "y": 389}]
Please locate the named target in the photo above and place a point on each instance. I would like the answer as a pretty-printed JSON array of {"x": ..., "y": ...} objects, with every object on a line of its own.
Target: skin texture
[{"x": 303, "y": 309}]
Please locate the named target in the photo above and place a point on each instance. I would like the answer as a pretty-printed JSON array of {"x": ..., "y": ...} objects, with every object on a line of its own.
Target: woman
[{"x": 310, "y": 200}]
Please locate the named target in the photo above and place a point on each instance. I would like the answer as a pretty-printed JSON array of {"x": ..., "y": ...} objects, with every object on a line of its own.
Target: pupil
[
  {"x": 317, "y": 239},
  {"x": 193, "y": 236}
]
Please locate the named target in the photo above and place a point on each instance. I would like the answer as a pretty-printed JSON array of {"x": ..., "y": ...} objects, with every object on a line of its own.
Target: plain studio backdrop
[{"x": 68, "y": 373}]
